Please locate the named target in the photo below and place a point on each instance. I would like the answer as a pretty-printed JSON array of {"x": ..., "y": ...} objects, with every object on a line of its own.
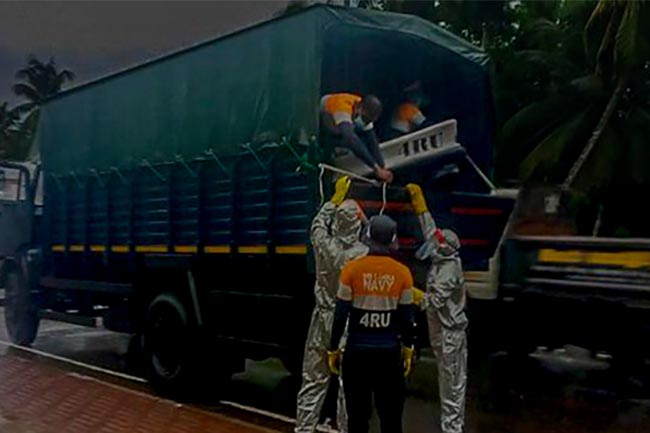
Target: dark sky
[{"x": 93, "y": 38}]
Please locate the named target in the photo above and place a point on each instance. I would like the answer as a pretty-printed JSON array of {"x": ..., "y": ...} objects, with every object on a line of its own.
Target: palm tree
[
  {"x": 40, "y": 81},
  {"x": 602, "y": 108},
  {"x": 617, "y": 33},
  {"x": 590, "y": 132},
  {"x": 541, "y": 78}
]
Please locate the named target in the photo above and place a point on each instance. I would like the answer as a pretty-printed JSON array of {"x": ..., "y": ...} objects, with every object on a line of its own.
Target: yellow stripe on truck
[
  {"x": 186, "y": 249},
  {"x": 151, "y": 249},
  {"x": 217, "y": 249},
  {"x": 626, "y": 259},
  {"x": 253, "y": 249},
  {"x": 291, "y": 249},
  {"x": 556, "y": 256}
]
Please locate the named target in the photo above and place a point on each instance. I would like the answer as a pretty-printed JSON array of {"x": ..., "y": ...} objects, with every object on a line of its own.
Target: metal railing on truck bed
[{"x": 260, "y": 204}]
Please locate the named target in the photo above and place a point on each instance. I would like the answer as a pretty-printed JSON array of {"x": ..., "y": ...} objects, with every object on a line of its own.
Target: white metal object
[
  {"x": 487, "y": 181},
  {"x": 407, "y": 149}
]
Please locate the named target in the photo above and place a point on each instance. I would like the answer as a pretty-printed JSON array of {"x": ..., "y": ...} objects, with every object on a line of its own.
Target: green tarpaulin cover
[{"x": 261, "y": 82}]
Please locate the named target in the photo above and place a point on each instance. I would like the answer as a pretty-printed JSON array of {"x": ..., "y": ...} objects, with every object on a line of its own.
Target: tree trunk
[
  {"x": 599, "y": 220},
  {"x": 598, "y": 131}
]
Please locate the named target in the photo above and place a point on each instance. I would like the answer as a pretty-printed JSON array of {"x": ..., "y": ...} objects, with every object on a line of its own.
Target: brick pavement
[{"x": 38, "y": 398}]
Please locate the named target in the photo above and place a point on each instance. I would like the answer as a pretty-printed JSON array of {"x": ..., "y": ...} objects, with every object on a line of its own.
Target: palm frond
[
  {"x": 596, "y": 27},
  {"x": 627, "y": 53},
  {"x": 549, "y": 151},
  {"x": 27, "y": 91}
]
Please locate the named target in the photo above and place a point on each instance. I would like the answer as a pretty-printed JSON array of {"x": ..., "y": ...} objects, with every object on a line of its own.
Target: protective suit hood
[
  {"x": 347, "y": 222},
  {"x": 444, "y": 245}
]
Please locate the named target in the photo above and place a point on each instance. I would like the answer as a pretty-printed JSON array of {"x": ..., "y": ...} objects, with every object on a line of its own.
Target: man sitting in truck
[
  {"x": 408, "y": 116},
  {"x": 347, "y": 121}
]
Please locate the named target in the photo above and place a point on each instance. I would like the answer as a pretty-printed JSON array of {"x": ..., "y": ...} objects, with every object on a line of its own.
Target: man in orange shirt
[
  {"x": 408, "y": 117},
  {"x": 375, "y": 293},
  {"x": 347, "y": 121}
]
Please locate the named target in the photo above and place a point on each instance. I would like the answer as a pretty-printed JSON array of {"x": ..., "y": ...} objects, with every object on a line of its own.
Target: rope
[
  {"x": 320, "y": 185},
  {"x": 384, "y": 186},
  {"x": 348, "y": 173}
]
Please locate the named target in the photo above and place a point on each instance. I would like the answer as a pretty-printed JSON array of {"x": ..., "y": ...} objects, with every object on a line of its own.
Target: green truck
[{"x": 178, "y": 194}]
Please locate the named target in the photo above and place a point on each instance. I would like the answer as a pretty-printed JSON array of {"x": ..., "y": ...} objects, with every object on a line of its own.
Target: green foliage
[
  {"x": 572, "y": 90},
  {"x": 37, "y": 81}
]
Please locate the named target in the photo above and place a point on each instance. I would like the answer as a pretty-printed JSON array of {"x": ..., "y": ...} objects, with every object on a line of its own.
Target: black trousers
[
  {"x": 378, "y": 372},
  {"x": 331, "y": 138}
]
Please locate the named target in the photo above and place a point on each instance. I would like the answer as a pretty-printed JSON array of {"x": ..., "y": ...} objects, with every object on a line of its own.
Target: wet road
[{"x": 564, "y": 391}]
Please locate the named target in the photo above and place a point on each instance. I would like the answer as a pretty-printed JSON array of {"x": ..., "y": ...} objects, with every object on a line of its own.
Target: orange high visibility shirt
[
  {"x": 376, "y": 286},
  {"x": 376, "y": 283},
  {"x": 340, "y": 106},
  {"x": 406, "y": 117}
]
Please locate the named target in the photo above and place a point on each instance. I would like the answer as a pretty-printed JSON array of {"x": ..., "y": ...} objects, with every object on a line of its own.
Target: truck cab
[{"x": 21, "y": 204}]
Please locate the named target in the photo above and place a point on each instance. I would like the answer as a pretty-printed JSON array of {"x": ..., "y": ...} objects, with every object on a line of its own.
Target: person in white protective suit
[
  {"x": 445, "y": 308},
  {"x": 335, "y": 234}
]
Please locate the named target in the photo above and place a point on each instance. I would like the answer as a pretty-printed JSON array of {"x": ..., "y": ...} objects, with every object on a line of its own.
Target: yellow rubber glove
[
  {"x": 334, "y": 361},
  {"x": 418, "y": 296},
  {"x": 341, "y": 190},
  {"x": 407, "y": 357},
  {"x": 417, "y": 198}
]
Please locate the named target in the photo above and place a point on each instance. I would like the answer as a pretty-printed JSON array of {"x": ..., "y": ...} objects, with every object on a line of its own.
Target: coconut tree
[
  {"x": 39, "y": 81},
  {"x": 617, "y": 35},
  {"x": 569, "y": 126}
]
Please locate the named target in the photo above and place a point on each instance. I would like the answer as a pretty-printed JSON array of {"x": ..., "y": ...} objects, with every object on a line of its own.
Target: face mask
[{"x": 359, "y": 123}]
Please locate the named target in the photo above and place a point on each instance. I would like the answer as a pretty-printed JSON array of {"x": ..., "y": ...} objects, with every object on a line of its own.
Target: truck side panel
[{"x": 244, "y": 242}]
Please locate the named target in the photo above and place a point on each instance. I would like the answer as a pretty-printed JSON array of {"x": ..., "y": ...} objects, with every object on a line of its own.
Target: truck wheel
[
  {"x": 167, "y": 345},
  {"x": 21, "y": 316}
]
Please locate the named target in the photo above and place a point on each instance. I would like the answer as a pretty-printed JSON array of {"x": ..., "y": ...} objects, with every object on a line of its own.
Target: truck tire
[
  {"x": 168, "y": 347},
  {"x": 21, "y": 315},
  {"x": 177, "y": 360}
]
